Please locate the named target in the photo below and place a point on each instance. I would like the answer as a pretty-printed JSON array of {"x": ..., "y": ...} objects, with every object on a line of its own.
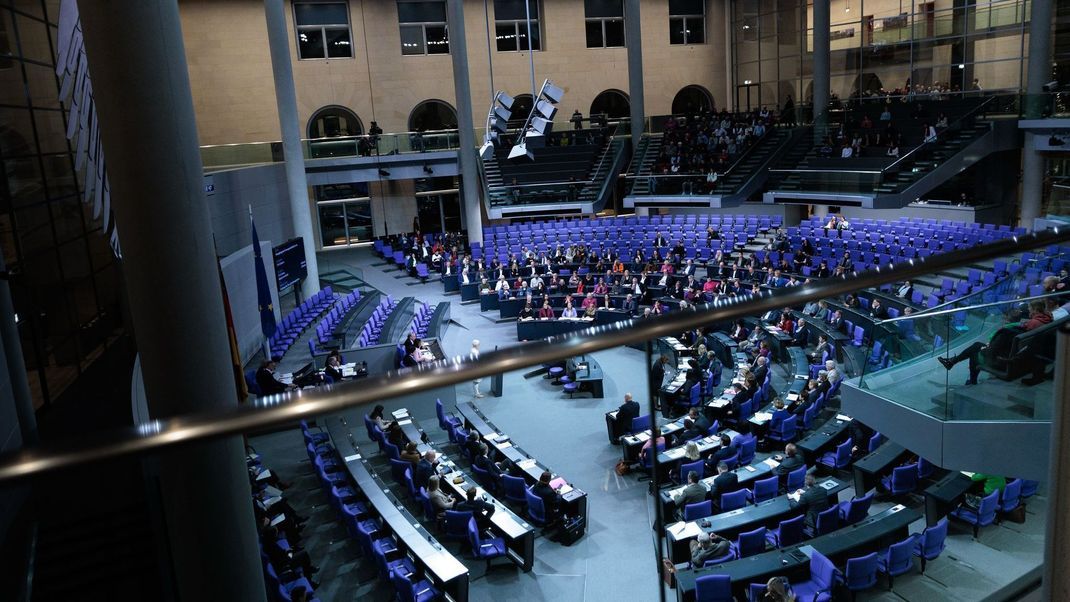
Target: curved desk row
[
  {"x": 530, "y": 330},
  {"x": 448, "y": 574}
]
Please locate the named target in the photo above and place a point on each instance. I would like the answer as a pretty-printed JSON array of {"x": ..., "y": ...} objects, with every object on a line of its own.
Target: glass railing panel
[
  {"x": 971, "y": 355},
  {"x": 237, "y": 155}
]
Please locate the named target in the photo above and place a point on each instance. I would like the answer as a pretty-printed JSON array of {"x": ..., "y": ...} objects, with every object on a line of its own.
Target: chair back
[
  {"x": 843, "y": 453},
  {"x": 791, "y": 531},
  {"x": 925, "y": 468},
  {"x": 409, "y": 483},
  {"x": 765, "y": 489},
  {"x": 875, "y": 442},
  {"x": 861, "y": 572},
  {"x": 796, "y": 479},
  {"x": 536, "y": 509},
  {"x": 405, "y": 589},
  {"x": 641, "y": 423},
  {"x": 457, "y": 524},
  {"x": 732, "y": 461},
  {"x": 442, "y": 422},
  {"x": 904, "y": 478},
  {"x": 900, "y": 556},
  {"x": 398, "y": 468},
  {"x": 932, "y": 540},
  {"x": 713, "y": 588},
  {"x": 695, "y": 395},
  {"x": 828, "y": 521},
  {"x": 858, "y": 509},
  {"x": 698, "y": 510},
  {"x": 515, "y": 488},
  {"x": 484, "y": 478},
  {"x": 751, "y": 542},
  {"x": 734, "y": 500},
  {"x": 822, "y": 571},
  {"x": 986, "y": 512},
  {"x": 429, "y": 509},
  {"x": 699, "y": 466},
  {"x": 747, "y": 448},
  {"x": 1029, "y": 488},
  {"x": 1011, "y": 495}
]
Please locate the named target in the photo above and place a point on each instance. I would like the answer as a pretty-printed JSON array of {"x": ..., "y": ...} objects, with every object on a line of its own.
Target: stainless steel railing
[{"x": 289, "y": 408}]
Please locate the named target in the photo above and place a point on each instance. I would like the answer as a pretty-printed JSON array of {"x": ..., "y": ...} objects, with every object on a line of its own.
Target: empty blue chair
[
  {"x": 514, "y": 489},
  {"x": 765, "y": 489},
  {"x": 398, "y": 468},
  {"x": 904, "y": 479},
  {"x": 796, "y": 479},
  {"x": 925, "y": 468},
  {"x": 983, "y": 515},
  {"x": 746, "y": 449},
  {"x": 1011, "y": 496},
  {"x": 698, "y": 466},
  {"x": 445, "y": 422},
  {"x": 930, "y": 543},
  {"x": 750, "y": 543},
  {"x": 855, "y": 510},
  {"x": 1029, "y": 488},
  {"x": 713, "y": 588},
  {"x": 402, "y": 565},
  {"x": 875, "y": 442},
  {"x": 734, "y": 500},
  {"x": 827, "y": 522},
  {"x": 787, "y": 533},
  {"x": 823, "y": 578},
  {"x": 484, "y": 478},
  {"x": 420, "y": 590},
  {"x": 861, "y": 573},
  {"x": 898, "y": 559},
  {"x": 641, "y": 423},
  {"x": 484, "y": 548},
  {"x": 839, "y": 459},
  {"x": 536, "y": 509},
  {"x": 457, "y": 524},
  {"x": 698, "y": 510},
  {"x": 409, "y": 483}
]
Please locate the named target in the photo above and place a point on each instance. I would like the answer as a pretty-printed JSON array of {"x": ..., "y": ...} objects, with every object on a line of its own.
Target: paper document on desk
[
  {"x": 675, "y": 453},
  {"x": 271, "y": 501},
  {"x": 404, "y": 422},
  {"x": 400, "y": 413},
  {"x": 771, "y": 462},
  {"x": 505, "y": 445},
  {"x": 750, "y": 468},
  {"x": 843, "y": 417},
  {"x": 272, "y": 491},
  {"x": 689, "y": 530},
  {"x": 763, "y": 416},
  {"x": 265, "y": 474},
  {"x": 526, "y": 464},
  {"x": 644, "y": 436},
  {"x": 278, "y": 519},
  {"x": 791, "y": 397}
]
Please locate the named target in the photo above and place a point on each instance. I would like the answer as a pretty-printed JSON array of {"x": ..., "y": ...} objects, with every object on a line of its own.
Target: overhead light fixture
[
  {"x": 546, "y": 109},
  {"x": 520, "y": 150},
  {"x": 486, "y": 151},
  {"x": 497, "y": 122},
  {"x": 539, "y": 123}
]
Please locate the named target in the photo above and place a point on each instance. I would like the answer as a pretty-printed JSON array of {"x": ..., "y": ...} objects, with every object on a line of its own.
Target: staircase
[{"x": 642, "y": 164}]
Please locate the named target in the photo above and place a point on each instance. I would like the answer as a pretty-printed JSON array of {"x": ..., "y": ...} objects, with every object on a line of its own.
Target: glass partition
[{"x": 982, "y": 348}]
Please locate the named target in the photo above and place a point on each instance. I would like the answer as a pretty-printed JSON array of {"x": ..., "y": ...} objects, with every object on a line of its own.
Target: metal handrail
[
  {"x": 955, "y": 310},
  {"x": 732, "y": 167},
  {"x": 288, "y": 408},
  {"x": 969, "y": 113}
]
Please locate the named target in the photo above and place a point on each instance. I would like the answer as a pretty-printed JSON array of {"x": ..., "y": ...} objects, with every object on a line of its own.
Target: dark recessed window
[
  {"x": 605, "y": 23},
  {"x": 511, "y": 27},
  {"x": 323, "y": 30},
  {"x": 423, "y": 27},
  {"x": 687, "y": 21}
]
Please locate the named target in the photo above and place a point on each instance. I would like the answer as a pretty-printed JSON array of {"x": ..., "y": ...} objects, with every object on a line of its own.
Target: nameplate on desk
[
  {"x": 829, "y": 484},
  {"x": 404, "y": 422},
  {"x": 352, "y": 457},
  {"x": 896, "y": 508}
]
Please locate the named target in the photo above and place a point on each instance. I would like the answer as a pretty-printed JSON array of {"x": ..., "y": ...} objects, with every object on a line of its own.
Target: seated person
[
  {"x": 693, "y": 493},
  {"x": 724, "y": 452},
  {"x": 707, "y": 547},
  {"x": 377, "y": 417},
  {"x": 792, "y": 460},
  {"x": 551, "y": 499},
  {"x": 527, "y": 313},
  {"x": 655, "y": 439},
  {"x": 267, "y": 381},
  {"x": 333, "y": 369},
  {"x": 625, "y": 413},
  {"x": 1001, "y": 341},
  {"x": 812, "y": 499},
  {"x": 480, "y": 508},
  {"x": 415, "y": 357},
  {"x": 546, "y": 312},
  {"x": 425, "y": 469},
  {"x": 439, "y": 499},
  {"x": 590, "y": 311},
  {"x": 483, "y": 462},
  {"x": 410, "y": 454},
  {"x": 695, "y": 425},
  {"x": 569, "y": 311},
  {"x": 726, "y": 481}
]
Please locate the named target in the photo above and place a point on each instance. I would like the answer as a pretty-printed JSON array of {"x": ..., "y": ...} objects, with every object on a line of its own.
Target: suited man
[
  {"x": 660, "y": 241},
  {"x": 551, "y": 500},
  {"x": 702, "y": 424},
  {"x": 822, "y": 346},
  {"x": 481, "y": 509},
  {"x": 877, "y": 311},
  {"x": 801, "y": 336},
  {"x": 708, "y": 546},
  {"x": 630, "y": 305},
  {"x": 657, "y": 372},
  {"x": 726, "y": 481},
  {"x": 792, "y": 460},
  {"x": 484, "y": 462},
  {"x": 265, "y": 379},
  {"x": 332, "y": 369},
  {"x": 689, "y": 268},
  {"x": 761, "y": 369},
  {"x": 813, "y": 499},
  {"x": 425, "y": 469},
  {"x": 724, "y": 452},
  {"x": 692, "y": 494},
  {"x": 627, "y": 411}
]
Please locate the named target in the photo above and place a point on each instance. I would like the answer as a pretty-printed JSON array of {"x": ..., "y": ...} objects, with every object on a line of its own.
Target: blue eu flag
[{"x": 263, "y": 291}]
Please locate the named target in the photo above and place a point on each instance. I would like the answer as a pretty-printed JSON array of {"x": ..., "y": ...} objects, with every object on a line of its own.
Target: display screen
[{"x": 290, "y": 267}]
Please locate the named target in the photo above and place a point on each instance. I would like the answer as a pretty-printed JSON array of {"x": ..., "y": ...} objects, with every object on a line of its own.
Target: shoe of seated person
[{"x": 945, "y": 362}]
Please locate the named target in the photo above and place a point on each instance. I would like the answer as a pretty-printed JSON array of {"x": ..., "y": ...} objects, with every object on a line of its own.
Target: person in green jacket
[{"x": 991, "y": 482}]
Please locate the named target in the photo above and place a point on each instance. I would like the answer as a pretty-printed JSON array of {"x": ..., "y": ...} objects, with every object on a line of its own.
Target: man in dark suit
[
  {"x": 761, "y": 369},
  {"x": 801, "y": 336},
  {"x": 483, "y": 462},
  {"x": 551, "y": 500},
  {"x": 265, "y": 379},
  {"x": 657, "y": 372},
  {"x": 660, "y": 241},
  {"x": 625, "y": 413},
  {"x": 726, "y": 481},
  {"x": 813, "y": 499},
  {"x": 425, "y": 469},
  {"x": 792, "y": 460},
  {"x": 693, "y": 493},
  {"x": 481, "y": 510},
  {"x": 630, "y": 305}
]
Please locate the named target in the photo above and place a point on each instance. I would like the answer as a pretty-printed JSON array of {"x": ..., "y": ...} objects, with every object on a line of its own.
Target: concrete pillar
[
  {"x": 290, "y": 126},
  {"x": 1038, "y": 74},
  {"x": 16, "y": 365},
  {"x": 1055, "y": 583},
  {"x": 466, "y": 153},
  {"x": 149, "y": 136},
  {"x": 821, "y": 210},
  {"x": 821, "y": 68},
  {"x": 633, "y": 38}
]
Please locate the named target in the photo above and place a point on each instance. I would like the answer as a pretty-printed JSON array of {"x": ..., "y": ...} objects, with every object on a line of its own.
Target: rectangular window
[
  {"x": 511, "y": 27},
  {"x": 605, "y": 23},
  {"x": 687, "y": 21},
  {"x": 322, "y": 30},
  {"x": 423, "y": 27}
]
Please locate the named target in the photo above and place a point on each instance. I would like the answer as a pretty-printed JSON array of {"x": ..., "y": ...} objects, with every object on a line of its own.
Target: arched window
[
  {"x": 692, "y": 99},
  {"x": 519, "y": 112},
  {"x": 611, "y": 103},
  {"x": 332, "y": 121},
  {"x": 432, "y": 115}
]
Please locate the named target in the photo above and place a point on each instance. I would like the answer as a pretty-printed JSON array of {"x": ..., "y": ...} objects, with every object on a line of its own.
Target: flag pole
[{"x": 265, "y": 345}]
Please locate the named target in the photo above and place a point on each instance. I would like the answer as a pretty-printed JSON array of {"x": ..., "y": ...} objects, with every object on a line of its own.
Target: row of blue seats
[
  {"x": 325, "y": 330},
  {"x": 371, "y": 534},
  {"x": 421, "y": 320},
  {"x": 369, "y": 333},
  {"x": 295, "y": 322}
]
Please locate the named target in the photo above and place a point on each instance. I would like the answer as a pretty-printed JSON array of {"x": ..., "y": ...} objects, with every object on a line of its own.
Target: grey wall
[
  {"x": 989, "y": 214},
  {"x": 263, "y": 187},
  {"x": 792, "y": 214},
  {"x": 240, "y": 278}
]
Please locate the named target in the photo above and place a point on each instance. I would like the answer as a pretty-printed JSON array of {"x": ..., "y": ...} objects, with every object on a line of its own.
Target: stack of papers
[
  {"x": 404, "y": 422},
  {"x": 684, "y": 530},
  {"x": 762, "y": 416},
  {"x": 525, "y": 464},
  {"x": 843, "y": 417},
  {"x": 400, "y": 413},
  {"x": 643, "y": 436},
  {"x": 791, "y": 397},
  {"x": 771, "y": 462},
  {"x": 750, "y": 468}
]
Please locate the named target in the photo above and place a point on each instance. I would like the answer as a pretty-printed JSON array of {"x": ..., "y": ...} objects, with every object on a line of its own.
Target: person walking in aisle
[{"x": 474, "y": 355}]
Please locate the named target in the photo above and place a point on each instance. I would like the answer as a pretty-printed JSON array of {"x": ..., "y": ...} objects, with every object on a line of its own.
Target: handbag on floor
[
  {"x": 668, "y": 572},
  {"x": 1017, "y": 515},
  {"x": 622, "y": 468}
]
